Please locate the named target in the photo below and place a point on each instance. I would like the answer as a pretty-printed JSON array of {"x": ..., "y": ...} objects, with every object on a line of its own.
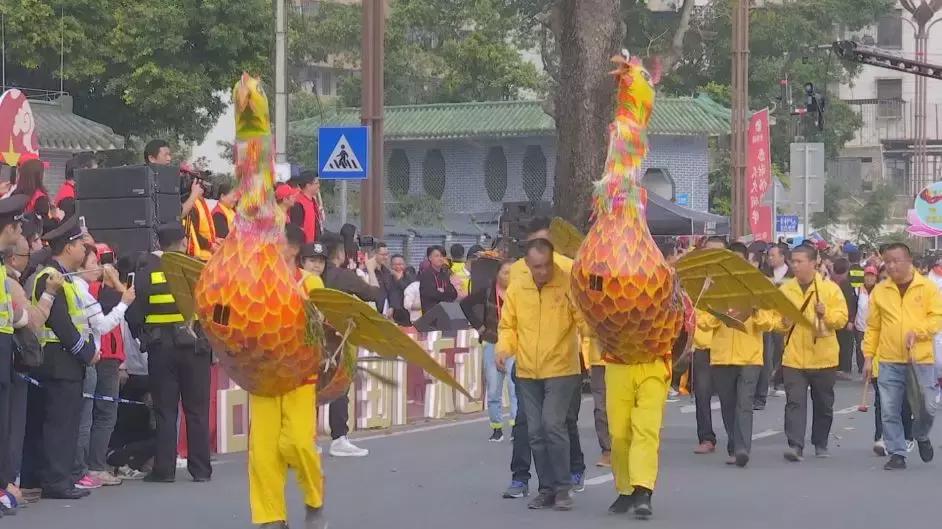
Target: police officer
[
  {"x": 54, "y": 406},
  {"x": 178, "y": 366}
]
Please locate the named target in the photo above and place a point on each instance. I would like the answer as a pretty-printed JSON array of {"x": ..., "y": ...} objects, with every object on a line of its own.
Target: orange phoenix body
[
  {"x": 626, "y": 290},
  {"x": 247, "y": 300}
]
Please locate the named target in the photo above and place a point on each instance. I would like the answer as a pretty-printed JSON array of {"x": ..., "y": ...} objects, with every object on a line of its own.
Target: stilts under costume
[
  {"x": 271, "y": 332},
  {"x": 630, "y": 296}
]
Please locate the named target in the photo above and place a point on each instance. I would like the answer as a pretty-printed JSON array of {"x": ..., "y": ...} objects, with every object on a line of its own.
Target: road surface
[{"x": 446, "y": 474}]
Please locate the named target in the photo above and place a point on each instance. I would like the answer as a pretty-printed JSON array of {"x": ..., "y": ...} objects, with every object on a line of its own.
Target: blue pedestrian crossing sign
[{"x": 343, "y": 152}]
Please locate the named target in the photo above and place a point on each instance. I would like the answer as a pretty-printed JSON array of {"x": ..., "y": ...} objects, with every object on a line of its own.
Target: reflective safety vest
[
  {"x": 76, "y": 313},
  {"x": 163, "y": 308},
  {"x": 6, "y": 306},
  {"x": 201, "y": 232},
  {"x": 856, "y": 276}
]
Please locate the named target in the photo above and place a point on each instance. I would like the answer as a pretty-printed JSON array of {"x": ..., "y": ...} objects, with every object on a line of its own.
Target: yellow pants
[
  {"x": 282, "y": 435},
  {"x": 635, "y": 395}
]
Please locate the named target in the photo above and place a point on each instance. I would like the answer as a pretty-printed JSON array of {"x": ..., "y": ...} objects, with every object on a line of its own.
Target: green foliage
[
  {"x": 415, "y": 209},
  {"x": 143, "y": 68},
  {"x": 720, "y": 181},
  {"x": 870, "y": 218},
  {"x": 437, "y": 51}
]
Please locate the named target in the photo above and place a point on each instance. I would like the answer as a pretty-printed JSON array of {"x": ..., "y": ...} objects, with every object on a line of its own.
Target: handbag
[{"x": 29, "y": 352}]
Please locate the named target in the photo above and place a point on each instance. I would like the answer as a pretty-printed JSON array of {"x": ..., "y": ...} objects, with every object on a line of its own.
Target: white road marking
[
  {"x": 845, "y": 411},
  {"x": 765, "y": 433},
  {"x": 691, "y": 408}
]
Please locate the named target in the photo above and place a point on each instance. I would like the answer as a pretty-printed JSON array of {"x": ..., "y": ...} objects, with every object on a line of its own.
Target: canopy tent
[{"x": 667, "y": 218}]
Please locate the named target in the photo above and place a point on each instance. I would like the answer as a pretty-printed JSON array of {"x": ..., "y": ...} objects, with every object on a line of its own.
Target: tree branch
[{"x": 673, "y": 57}]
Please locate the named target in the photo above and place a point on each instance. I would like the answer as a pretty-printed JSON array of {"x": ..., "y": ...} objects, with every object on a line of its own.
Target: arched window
[
  {"x": 433, "y": 173},
  {"x": 533, "y": 173},
  {"x": 397, "y": 171},
  {"x": 659, "y": 182},
  {"x": 495, "y": 174}
]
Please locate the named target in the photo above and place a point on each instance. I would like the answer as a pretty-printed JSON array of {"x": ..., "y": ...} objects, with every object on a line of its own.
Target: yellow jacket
[
  {"x": 591, "y": 351},
  {"x": 802, "y": 350},
  {"x": 519, "y": 269},
  {"x": 541, "y": 328},
  {"x": 706, "y": 326},
  {"x": 892, "y": 317},
  {"x": 736, "y": 348}
]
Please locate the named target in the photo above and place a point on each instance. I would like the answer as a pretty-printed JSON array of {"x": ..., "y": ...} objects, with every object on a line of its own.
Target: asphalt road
[{"x": 447, "y": 475}]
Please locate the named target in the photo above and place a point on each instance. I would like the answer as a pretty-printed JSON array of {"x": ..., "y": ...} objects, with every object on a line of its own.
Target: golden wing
[
  {"x": 565, "y": 237},
  {"x": 367, "y": 328},
  {"x": 734, "y": 284},
  {"x": 182, "y": 272}
]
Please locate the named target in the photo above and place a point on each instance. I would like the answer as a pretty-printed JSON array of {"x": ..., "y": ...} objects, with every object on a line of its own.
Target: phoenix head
[
  {"x": 636, "y": 84},
  {"x": 251, "y": 108}
]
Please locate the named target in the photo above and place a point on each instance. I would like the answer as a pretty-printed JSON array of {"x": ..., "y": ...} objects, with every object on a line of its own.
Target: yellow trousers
[
  {"x": 635, "y": 395},
  {"x": 281, "y": 435}
]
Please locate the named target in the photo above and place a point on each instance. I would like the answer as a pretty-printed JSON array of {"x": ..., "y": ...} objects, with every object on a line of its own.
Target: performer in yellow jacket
[
  {"x": 811, "y": 355},
  {"x": 281, "y": 435}
]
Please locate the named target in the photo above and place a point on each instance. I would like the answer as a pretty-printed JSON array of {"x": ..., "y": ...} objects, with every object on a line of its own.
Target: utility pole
[
  {"x": 740, "y": 115},
  {"x": 281, "y": 83},
  {"x": 372, "y": 45}
]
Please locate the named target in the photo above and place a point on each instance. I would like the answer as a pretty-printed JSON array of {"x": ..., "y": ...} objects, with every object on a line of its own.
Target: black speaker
[
  {"x": 127, "y": 241},
  {"x": 442, "y": 317},
  {"x": 514, "y": 220},
  {"x": 127, "y": 181},
  {"x": 125, "y": 213}
]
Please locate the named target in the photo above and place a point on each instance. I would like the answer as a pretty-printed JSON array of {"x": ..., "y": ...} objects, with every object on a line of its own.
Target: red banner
[{"x": 759, "y": 175}]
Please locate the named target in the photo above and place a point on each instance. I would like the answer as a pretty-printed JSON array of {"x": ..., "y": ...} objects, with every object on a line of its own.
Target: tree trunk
[{"x": 588, "y": 34}]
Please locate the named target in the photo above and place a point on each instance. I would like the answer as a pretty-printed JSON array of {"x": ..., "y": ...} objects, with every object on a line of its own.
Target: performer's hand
[
  {"x": 501, "y": 363},
  {"x": 910, "y": 340},
  {"x": 196, "y": 189},
  {"x": 819, "y": 309},
  {"x": 850, "y": 326},
  {"x": 868, "y": 365},
  {"x": 54, "y": 282}
]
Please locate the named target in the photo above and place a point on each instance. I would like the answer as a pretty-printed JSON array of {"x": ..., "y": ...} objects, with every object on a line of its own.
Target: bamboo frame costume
[{"x": 272, "y": 334}]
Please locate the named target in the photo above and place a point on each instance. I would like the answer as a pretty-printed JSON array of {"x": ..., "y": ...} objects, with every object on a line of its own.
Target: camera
[
  {"x": 366, "y": 241},
  {"x": 205, "y": 179}
]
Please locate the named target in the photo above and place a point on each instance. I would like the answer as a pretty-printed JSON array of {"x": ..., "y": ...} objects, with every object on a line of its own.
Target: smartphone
[
  {"x": 129, "y": 282},
  {"x": 81, "y": 222},
  {"x": 107, "y": 258}
]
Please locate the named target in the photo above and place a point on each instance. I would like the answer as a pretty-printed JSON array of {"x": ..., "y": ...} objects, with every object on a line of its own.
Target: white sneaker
[
  {"x": 181, "y": 462},
  {"x": 879, "y": 448},
  {"x": 672, "y": 393},
  {"x": 778, "y": 393},
  {"x": 127, "y": 472},
  {"x": 910, "y": 446},
  {"x": 343, "y": 448}
]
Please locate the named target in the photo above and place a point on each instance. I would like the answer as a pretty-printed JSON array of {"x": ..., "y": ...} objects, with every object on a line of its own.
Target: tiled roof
[
  {"x": 672, "y": 116},
  {"x": 60, "y": 129}
]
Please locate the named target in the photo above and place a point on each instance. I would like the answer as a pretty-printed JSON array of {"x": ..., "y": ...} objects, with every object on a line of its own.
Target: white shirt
[
  {"x": 412, "y": 301},
  {"x": 778, "y": 274},
  {"x": 863, "y": 309},
  {"x": 99, "y": 322}
]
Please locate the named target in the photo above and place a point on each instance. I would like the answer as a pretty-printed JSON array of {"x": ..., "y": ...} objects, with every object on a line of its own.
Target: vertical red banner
[{"x": 759, "y": 175}]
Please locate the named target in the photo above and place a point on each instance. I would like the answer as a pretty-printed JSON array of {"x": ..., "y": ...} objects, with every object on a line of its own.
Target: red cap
[
  {"x": 284, "y": 191},
  {"x": 102, "y": 248},
  {"x": 871, "y": 270}
]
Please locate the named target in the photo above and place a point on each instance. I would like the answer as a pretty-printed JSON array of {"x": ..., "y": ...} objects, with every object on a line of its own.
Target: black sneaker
[
  {"x": 544, "y": 500},
  {"x": 793, "y": 454},
  {"x": 563, "y": 501},
  {"x": 896, "y": 462},
  {"x": 497, "y": 435},
  {"x": 742, "y": 459},
  {"x": 622, "y": 504},
  {"x": 642, "y": 498},
  {"x": 926, "y": 452}
]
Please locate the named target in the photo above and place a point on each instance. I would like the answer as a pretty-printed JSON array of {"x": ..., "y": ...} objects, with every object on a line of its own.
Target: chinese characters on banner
[{"x": 759, "y": 175}]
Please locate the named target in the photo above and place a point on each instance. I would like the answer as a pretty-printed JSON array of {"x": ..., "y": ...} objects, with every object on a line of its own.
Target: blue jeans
[
  {"x": 495, "y": 386},
  {"x": 893, "y": 391},
  {"x": 80, "y": 468}
]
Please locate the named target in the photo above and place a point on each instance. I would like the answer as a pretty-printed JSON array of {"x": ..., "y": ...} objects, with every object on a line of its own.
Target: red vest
[
  {"x": 31, "y": 205},
  {"x": 310, "y": 218},
  {"x": 66, "y": 191},
  {"x": 112, "y": 344}
]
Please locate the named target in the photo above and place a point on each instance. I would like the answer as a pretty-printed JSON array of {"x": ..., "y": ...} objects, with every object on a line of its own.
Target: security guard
[
  {"x": 54, "y": 406},
  {"x": 178, "y": 365}
]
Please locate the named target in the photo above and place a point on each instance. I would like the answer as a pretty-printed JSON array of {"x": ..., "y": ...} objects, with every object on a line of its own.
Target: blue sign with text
[
  {"x": 683, "y": 199},
  {"x": 343, "y": 152},
  {"x": 786, "y": 223}
]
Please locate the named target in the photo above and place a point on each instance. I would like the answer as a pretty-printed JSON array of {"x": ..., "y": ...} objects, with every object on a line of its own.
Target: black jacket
[
  {"x": 396, "y": 296},
  {"x": 67, "y": 358},
  {"x": 346, "y": 280},
  {"x": 429, "y": 283},
  {"x": 481, "y": 310}
]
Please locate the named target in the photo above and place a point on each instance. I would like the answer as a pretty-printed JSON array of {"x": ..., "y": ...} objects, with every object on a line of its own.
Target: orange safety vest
[
  {"x": 201, "y": 233},
  {"x": 226, "y": 212}
]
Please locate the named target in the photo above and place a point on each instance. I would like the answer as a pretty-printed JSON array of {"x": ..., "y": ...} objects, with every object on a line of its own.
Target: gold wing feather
[
  {"x": 736, "y": 284},
  {"x": 372, "y": 331},
  {"x": 182, "y": 272},
  {"x": 565, "y": 237}
]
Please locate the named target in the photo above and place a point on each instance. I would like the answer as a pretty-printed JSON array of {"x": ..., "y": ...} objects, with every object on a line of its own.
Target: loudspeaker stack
[
  {"x": 123, "y": 206},
  {"x": 513, "y": 223}
]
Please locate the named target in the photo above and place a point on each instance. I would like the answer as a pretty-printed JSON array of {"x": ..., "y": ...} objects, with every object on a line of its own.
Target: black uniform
[
  {"x": 178, "y": 370},
  {"x": 54, "y": 408}
]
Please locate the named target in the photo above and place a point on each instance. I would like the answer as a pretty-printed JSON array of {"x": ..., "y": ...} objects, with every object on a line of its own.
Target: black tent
[{"x": 667, "y": 218}]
